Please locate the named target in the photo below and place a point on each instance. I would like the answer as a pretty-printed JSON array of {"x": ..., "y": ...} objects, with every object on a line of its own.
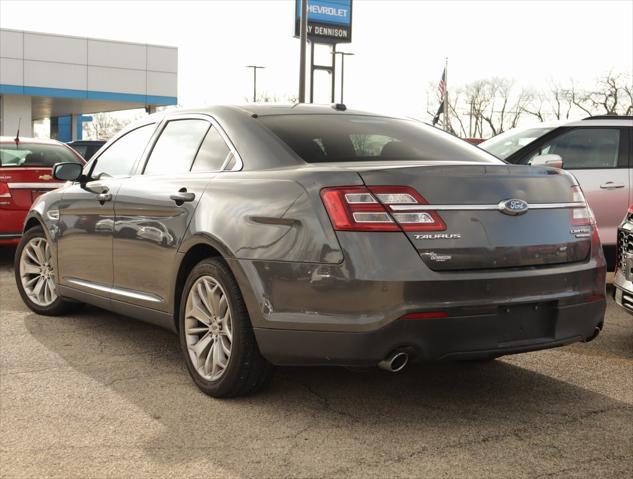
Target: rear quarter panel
[{"x": 275, "y": 216}]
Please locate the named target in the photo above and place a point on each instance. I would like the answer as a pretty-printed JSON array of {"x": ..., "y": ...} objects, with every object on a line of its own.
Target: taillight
[
  {"x": 4, "y": 190},
  {"x": 379, "y": 208},
  {"x": 582, "y": 216},
  {"x": 354, "y": 208}
]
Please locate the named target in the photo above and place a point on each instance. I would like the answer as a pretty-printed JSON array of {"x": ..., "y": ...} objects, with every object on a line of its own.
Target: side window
[
  {"x": 120, "y": 157},
  {"x": 176, "y": 147},
  {"x": 212, "y": 154},
  {"x": 583, "y": 148}
]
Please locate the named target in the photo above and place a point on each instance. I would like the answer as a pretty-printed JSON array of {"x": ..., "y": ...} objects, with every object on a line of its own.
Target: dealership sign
[{"x": 329, "y": 21}]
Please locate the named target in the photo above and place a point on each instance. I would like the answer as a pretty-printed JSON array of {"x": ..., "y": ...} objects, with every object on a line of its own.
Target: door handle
[
  {"x": 182, "y": 196},
  {"x": 611, "y": 185},
  {"x": 103, "y": 197}
]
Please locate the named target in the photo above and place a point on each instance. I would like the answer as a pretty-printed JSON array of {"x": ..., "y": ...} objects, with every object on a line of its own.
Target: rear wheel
[
  {"x": 35, "y": 275},
  {"x": 216, "y": 336}
]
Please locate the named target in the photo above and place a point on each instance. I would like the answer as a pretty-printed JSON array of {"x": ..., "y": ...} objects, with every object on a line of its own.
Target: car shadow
[
  {"x": 7, "y": 253},
  {"x": 308, "y": 413}
]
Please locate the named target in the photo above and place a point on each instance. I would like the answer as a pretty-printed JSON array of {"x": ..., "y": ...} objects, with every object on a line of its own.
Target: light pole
[
  {"x": 343, "y": 55},
  {"x": 254, "y": 67}
]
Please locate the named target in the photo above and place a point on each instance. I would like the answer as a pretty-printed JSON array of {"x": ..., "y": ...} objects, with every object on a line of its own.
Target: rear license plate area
[{"x": 527, "y": 321}]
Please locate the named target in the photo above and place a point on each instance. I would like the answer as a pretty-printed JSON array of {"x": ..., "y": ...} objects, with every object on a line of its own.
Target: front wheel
[
  {"x": 35, "y": 275},
  {"x": 216, "y": 336}
]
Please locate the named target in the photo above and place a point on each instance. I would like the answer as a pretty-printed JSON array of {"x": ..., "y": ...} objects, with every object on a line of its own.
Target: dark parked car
[
  {"x": 624, "y": 264},
  {"x": 86, "y": 148},
  {"x": 310, "y": 235},
  {"x": 596, "y": 150}
]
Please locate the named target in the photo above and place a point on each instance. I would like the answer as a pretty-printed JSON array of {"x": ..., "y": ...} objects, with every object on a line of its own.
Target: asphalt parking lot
[{"x": 98, "y": 395}]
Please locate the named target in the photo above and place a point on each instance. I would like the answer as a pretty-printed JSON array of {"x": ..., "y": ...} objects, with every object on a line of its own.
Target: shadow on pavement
[
  {"x": 6, "y": 257},
  {"x": 308, "y": 413}
]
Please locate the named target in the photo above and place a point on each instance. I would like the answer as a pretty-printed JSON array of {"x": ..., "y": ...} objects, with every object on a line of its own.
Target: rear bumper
[
  {"x": 348, "y": 313},
  {"x": 504, "y": 332}
]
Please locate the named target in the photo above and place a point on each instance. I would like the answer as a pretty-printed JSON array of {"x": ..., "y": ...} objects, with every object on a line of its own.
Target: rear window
[
  {"x": 340, "y": 138},
  {"x": 34, "y": 154}
]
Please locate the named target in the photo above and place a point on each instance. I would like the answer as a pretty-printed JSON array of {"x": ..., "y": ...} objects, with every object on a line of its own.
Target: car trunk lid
[
  {"x": 24, "y": 184},
  {"x": 480, "y": 230}
]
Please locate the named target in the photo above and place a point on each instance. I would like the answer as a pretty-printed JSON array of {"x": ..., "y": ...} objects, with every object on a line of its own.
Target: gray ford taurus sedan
[{"x": 315, "y": 235}]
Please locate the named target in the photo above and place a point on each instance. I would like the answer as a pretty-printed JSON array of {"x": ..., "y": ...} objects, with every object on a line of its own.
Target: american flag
[{"x": 441, "y": 88}]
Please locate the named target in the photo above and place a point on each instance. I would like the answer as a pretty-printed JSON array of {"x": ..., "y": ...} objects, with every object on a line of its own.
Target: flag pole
[{"x": 446, "y": 108}]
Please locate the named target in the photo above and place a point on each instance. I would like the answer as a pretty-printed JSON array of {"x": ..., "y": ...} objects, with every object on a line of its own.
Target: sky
[{"x": 399, "y": 46}]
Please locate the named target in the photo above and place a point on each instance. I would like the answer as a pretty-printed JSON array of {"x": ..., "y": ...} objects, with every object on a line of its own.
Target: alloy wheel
[
  {"x": 208, "y": 328},
  {"x": 37, "y": 273}
]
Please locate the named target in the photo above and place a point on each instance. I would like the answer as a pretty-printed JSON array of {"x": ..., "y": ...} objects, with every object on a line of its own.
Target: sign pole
[
  {"x": 333, "y": 74},
  {"x": 311, "y": 72},
  {"x": 303, "y": 36}
]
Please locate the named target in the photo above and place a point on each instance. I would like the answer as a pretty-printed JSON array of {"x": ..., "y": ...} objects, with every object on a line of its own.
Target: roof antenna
[{"x": 17, "y": 135}]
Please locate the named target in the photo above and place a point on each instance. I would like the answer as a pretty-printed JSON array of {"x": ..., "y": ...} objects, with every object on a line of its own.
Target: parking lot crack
[{"x": 326, "y": 403}]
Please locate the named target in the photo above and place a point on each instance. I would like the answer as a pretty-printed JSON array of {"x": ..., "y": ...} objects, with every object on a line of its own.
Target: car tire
[
  {"x": 206, "y": 334},
  {"x": 35, "y": 276}
]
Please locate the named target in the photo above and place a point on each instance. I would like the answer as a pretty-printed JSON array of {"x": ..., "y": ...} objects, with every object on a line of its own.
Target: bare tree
[
  {"x": 267, "y": 97},
  {"x": 606, "y": 95},
  {"x": 628, "y": 95},
  {"x": 490, "y": 106},
  {"x": 610, "y": 95},
  {"x": 504, "y": 104},
  {"x": 535, "y": 104},
  {"x": 103, "y": 126},
  {"x": 560, "y": 104},
  {"x": 454, "y": 101}
]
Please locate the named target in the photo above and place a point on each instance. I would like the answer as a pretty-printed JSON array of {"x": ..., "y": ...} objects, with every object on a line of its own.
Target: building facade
[{"x": 63, "y": 78}]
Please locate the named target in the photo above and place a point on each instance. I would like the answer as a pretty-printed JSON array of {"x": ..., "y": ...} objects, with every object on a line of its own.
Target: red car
[{"x": 25, "y": 173}]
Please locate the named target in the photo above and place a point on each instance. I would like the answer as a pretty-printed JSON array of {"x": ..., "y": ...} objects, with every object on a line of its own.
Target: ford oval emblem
[{"x": 513, "y": 207}]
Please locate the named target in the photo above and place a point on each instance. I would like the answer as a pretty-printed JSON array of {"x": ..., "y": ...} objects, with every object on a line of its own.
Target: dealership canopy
[{"x": 58, "y": 76}]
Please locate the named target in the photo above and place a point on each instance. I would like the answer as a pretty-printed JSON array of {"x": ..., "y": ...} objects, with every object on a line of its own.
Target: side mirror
[
  {"x": 67, "y": 171},
  {"x": 555, "y": 161}
]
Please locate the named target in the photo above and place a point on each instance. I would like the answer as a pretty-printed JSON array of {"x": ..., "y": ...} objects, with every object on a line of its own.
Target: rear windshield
[
  {"x": 34, "y": 154},
  {"x": 339, "y": 138}
]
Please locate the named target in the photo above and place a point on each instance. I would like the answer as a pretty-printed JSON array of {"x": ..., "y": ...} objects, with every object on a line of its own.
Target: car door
[
  {"x": 598, "y": 158},
  {"x": 86, "y": 214},
  {"x": 153, "y": 211}
]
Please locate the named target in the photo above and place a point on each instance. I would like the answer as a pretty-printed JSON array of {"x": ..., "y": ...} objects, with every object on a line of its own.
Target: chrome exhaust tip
[{"x": 395, "y": 362}]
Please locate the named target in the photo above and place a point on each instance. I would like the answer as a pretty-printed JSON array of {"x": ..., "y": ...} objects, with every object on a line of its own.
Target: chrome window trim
[
  {"x": 239, "y": 164},
  {"x": 126, "y": 293},
  {"x": 531, "y": 206}
]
